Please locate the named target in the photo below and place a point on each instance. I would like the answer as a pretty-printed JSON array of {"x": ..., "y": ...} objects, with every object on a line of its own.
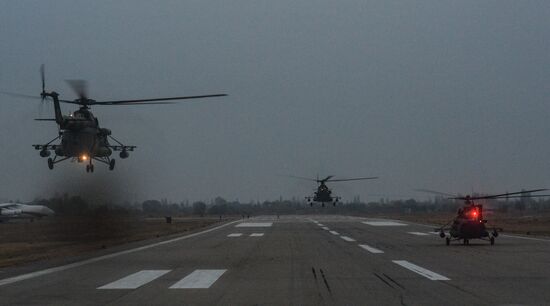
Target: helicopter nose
[{"x": 47, "y": 211}]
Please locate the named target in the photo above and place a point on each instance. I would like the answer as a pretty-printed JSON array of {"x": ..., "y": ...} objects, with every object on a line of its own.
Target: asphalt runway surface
[{"x": 298, "y": 260}]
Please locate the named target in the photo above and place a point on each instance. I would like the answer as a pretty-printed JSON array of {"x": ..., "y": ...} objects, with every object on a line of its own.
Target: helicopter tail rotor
[
  {"x": 43, "y": 78},
  {"x": 43, "y": 93}
]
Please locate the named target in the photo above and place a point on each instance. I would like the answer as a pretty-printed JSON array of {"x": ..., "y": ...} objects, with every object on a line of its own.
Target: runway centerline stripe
[
  {"x": 384, "y": 223},
  {"x": 21, "y": 277},
  {"x": 348, "y": 239},
  {"x": 135, "y": 280},
  {"x": 235, "y": 235},
  {"x": 255, "y": 224},
  {"x": 256, "y": 234},
  {"x": 419, "y": 270},
  {"x": 199, "y": 279},
  {"x": 334, "y": 232},
  {"x": 320, "y": 224},
  {"x": 371, "y": 249},
  {"x": 418, "y": 233}
]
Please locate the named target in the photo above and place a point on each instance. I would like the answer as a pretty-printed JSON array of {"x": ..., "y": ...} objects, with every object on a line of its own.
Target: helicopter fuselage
[{"x": 323, "y": 195}]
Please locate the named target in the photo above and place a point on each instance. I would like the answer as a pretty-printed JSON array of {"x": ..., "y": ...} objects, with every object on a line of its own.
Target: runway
[{"x": 298, "y": 260}]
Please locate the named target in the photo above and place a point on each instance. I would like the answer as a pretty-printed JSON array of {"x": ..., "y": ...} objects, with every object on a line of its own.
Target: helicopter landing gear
[
  {"x": 492, "y": 240},
  {"x": 447, "y": 241},
  {"x": 112, "y": 164},
  {"x": 466, "y": 242},
  {"x": 323, "y": 204},
  {"x": 90, "y": 168},
  {"x": 50, "y": 163}
]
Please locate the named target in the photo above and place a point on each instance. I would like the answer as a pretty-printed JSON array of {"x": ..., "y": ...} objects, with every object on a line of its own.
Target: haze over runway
[
  {"x": 450, "y": 95},
  {"x": 296, "y": 260}
]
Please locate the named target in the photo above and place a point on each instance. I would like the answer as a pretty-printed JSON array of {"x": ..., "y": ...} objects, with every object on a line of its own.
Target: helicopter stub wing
[
  {"x": 122, "y": 148},
  {"x": 45, "y": 147}
]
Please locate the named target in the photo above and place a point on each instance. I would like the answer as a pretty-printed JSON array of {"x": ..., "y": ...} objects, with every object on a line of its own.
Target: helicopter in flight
[
  {"x": 81, "y": 138},
  {"x": 324, "y": 194},
  {"x": 469, "y": 222}
]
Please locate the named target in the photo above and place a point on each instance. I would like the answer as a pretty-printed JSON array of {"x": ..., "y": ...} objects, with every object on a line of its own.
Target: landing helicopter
[
  {"x": 324, "y": 194},
  {"x": 469, "y": 222},
  {"x": 82, "y": 139}
]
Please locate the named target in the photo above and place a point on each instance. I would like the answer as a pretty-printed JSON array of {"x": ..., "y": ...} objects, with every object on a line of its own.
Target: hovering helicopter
[
  {"x": 324, "y": 194},
  {"x": 82, "y": 139},
  {"x": 469, "y": 222}
]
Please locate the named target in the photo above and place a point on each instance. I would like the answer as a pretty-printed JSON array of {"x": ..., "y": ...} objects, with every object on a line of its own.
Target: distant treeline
[{"x": 78, "y": 206}]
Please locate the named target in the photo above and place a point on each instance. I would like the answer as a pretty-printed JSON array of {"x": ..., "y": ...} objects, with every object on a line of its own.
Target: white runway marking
[
  {"x": 334, "y": 232},
  {"x": 320, "y": 224},
  {"x": 256, "y": 234},
  {"x": 383, "y": 223},
  {"x": 348, "y": 239},
  {"x": 135, "y": 280},
  {"x": 419, "y": 270},
  {"x": 21, "y": 277},
  {"x": 371, "y": 249},
  {"x": 325, "y": 228},
  {"x": 526, "y": 238},
  {"x": 255, "y": 224},
  {"x": 199, "y": 279},
  {"x": 235, "y": 235},
  {"x": 418, "y": 233}
]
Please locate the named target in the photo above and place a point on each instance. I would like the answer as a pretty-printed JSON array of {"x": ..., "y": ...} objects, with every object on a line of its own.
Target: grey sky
[{"x": 447, "y": 95}]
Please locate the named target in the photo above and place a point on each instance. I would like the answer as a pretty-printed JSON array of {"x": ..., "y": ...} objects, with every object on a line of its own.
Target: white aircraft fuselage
[{"x": 23, "y": 211}]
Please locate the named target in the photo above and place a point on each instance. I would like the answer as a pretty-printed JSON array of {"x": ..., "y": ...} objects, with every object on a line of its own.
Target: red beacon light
[{"x": 474, "y": 213}]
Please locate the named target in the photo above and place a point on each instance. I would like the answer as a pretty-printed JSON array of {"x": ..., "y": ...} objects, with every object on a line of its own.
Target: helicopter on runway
[
  {"x": 324, "y": 194},
  {"x": 469, "y": 222},
  {"x": 82, "y": 139}
]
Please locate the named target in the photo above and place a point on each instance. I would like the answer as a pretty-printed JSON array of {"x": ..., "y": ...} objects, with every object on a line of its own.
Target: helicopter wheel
[
  {"x": 87, "y": 168},
  {"x": 492, "y": 240},
  {"x": 50, "y": 163},
  {"x": 112, "y": 164},
  {"x": 448, "y": 241},
  {"x": 92, "y": 168},
  {"x": 323, "y": 204},
  {"x": 466, "y": 242},
  {"x": 310, "y": 204}
]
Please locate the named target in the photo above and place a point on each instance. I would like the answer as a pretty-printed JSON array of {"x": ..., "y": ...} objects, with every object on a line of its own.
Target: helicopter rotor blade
[
  {"x": 19, "y": 95},
  {"x": 156, "y": 100},
  {"x": 435, "y": 192},
  {"x": 325, "y": 179},
  {"x": 43, "y": 77},
  {"x": 524, "y": 196},
  {"x": 43, "y": 93},
  {"x": 80, "y": 87},
  {"x": 303, "y": 178},
  {"x": 353, "y": 179},
  {"x": 508, "y": 194},
  {"x": 25, "y": 96}
]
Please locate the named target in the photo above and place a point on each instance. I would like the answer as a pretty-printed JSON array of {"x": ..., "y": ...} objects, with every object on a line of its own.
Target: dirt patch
[{"x": 23, "y": 242}]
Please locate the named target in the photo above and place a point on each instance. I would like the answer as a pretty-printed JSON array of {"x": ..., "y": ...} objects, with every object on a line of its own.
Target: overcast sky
[{"x": 445, "y": 95}]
